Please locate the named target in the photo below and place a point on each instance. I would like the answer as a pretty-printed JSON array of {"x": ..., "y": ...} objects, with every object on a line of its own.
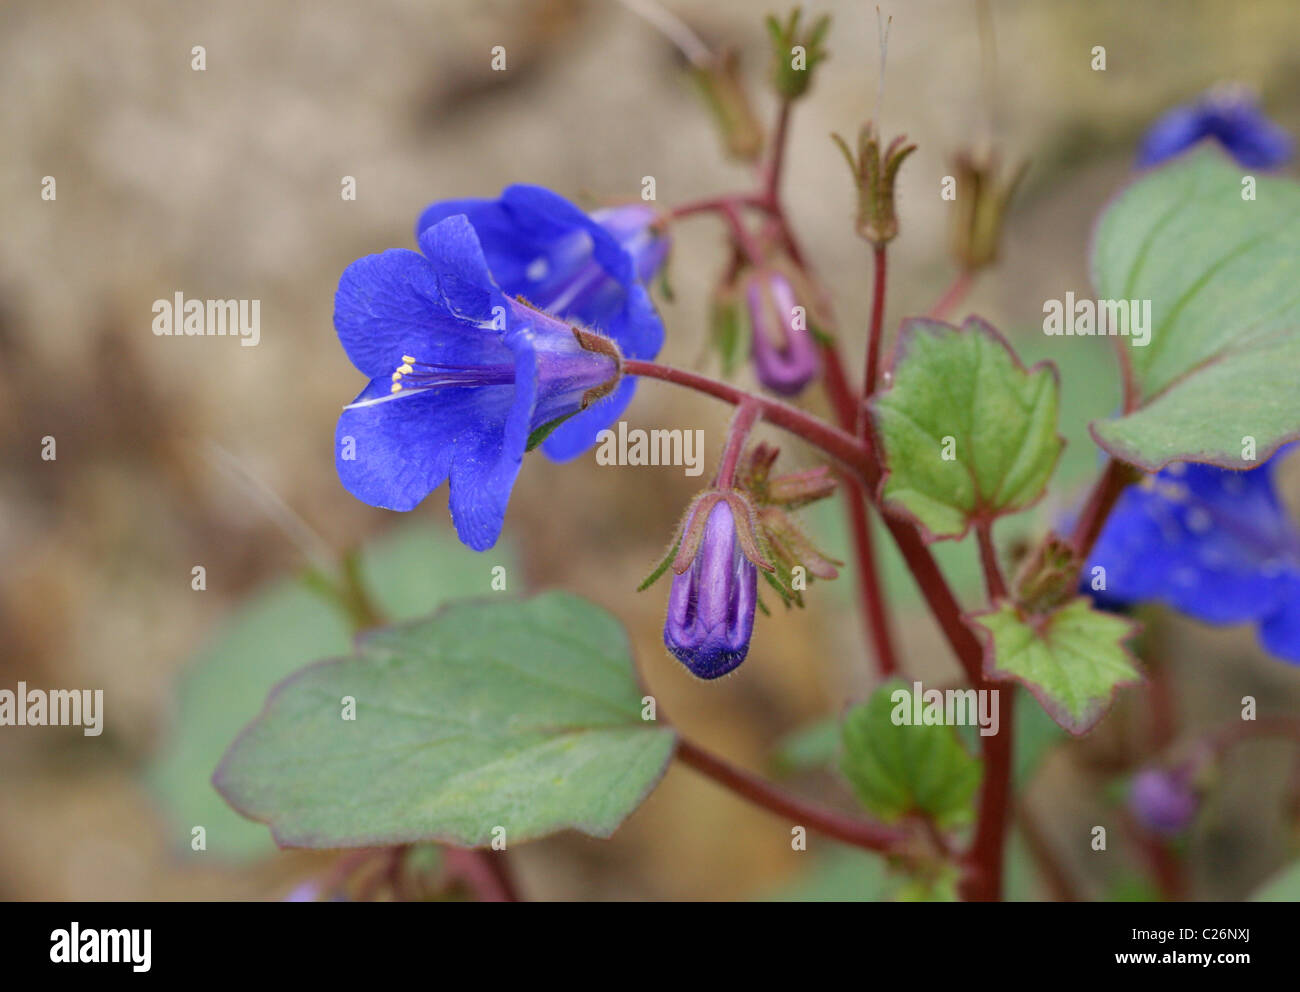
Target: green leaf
[
  {"x": 522, "y": 715},
  {"x": 897, "y": 769},
  {"x": 1036, "y": 735},
  {"x": 1282, "y": 887},
  {"x": 1072, "y": 660},
  {"x": 545, "y": 430},
  {"x": 409, "y": 572},
  {"x": 999, "y": 419},
  {"x": 282, "y": 628},
  {"x": 808, "y": 748},
  {"x": 1223, "y": 277},
  {"x": 845, "y": 874}
]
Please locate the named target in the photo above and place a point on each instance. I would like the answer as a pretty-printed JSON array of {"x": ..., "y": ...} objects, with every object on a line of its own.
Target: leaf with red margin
[
  {"x": 966, "y": 384},
  {"x": 1223, "y": 281},
  {"x": 1072, "y": 660}
]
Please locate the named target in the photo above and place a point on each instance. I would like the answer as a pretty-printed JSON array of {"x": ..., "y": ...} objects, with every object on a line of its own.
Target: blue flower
[
  {"x": 461, "y": 378},
  {"x": 1231, "y": 117},
  {"x": 587, "y": 268},
  {"x": 1212, "y": 543},
  {"x": 711, "y": 604}
]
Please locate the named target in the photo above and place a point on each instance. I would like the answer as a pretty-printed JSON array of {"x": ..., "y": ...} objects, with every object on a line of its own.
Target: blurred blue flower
[
  {"x": 1229, "y": 115},
  {"x": 1212, "y": 543},
  {"x": 461, "y": 376},
  {"x": 587, "y": 268},
  {"x": 1163, "y": 801}
]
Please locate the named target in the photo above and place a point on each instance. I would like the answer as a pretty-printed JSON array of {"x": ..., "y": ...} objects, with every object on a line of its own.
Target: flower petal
[
  {"x": 581, "y": 431},
  {"x": 396, "y": 303},
  {"x": 393, "y": 453},
  {"x": 488, "y": 458}
]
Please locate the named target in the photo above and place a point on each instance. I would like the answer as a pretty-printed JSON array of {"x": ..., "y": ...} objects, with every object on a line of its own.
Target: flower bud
[
  {"x": 795, "y": 53},
  {"x": 711, "y": 605},
  {"x": 724, "y": 91},
  {"x": 1163, "y": 801},
  {"x": 1049, "y": 576},
  {"x": 980, "y": 207},
  {"x": 633, "y": 227},
  {"x": 785, "y": 354},
  {"x": 874, "y": 174}
]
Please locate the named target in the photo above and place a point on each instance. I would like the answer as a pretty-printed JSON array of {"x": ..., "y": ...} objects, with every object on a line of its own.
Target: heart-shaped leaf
[
  {"x": 1216, "y": 251},
  {"x": 490, "y": 720},
  {"x": 902, "y": 767},
  {"x": 409, "y": 571},
  {"x": 968, "y": 432}
]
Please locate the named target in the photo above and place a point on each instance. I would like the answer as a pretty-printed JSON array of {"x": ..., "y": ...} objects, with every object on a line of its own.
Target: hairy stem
[
  {"x": 875, "y": 332},
  {"x": 858, "y": 832},
  {"x": 837, "y": 443},
  {"x": 741, "y": 424},
  {"x": 953, "y": 295},
  {"x": 772, "y": 177},
  {"x": 993, "y": 581}
]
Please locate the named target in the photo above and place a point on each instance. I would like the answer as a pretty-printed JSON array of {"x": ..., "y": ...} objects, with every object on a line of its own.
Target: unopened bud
[
  {"x": 795, "y": 53},
  {"x": 980, "y": 208},
  {"x": 785, "y": 354},
  {"x": 724, "y": 91},
  {"x": 1163, "y": 800}
]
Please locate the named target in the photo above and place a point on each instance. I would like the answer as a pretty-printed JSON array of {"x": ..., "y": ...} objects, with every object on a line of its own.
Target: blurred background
[{"x": 225, "y": 183}]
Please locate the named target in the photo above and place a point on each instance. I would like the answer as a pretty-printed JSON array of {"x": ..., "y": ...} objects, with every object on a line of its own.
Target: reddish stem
[
  {"x": 772, "y": 179},
  {"x": 850, "y": 830},
  {"x": 876, "y": 331},
  {"x": 953, "y": 295},
  {"x": 837, "y": 443},
  {"x": 741, "y": 424},
  {"x": 983, "y": 879},
  {"x": 869, "y": 587},
  {"x": 993, "y": 581},
  {"x": 1110, "y": 485},
  {"x": 939, "y": 596}
]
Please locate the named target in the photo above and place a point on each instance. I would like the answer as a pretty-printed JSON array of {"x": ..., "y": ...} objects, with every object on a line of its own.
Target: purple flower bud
[
  {"x": 711, "y": 606},
  {"x": 1163, "y": 801},
  {"x": 785, "y": 355}
]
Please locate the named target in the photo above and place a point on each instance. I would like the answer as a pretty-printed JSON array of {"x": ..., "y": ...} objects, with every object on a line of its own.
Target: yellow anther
[
  {"x": 408, "y": 359},
  {"x": 397, "y": 376},
  {"x": 397, "y": 388},
  {"x": 405, "y": 369}
]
